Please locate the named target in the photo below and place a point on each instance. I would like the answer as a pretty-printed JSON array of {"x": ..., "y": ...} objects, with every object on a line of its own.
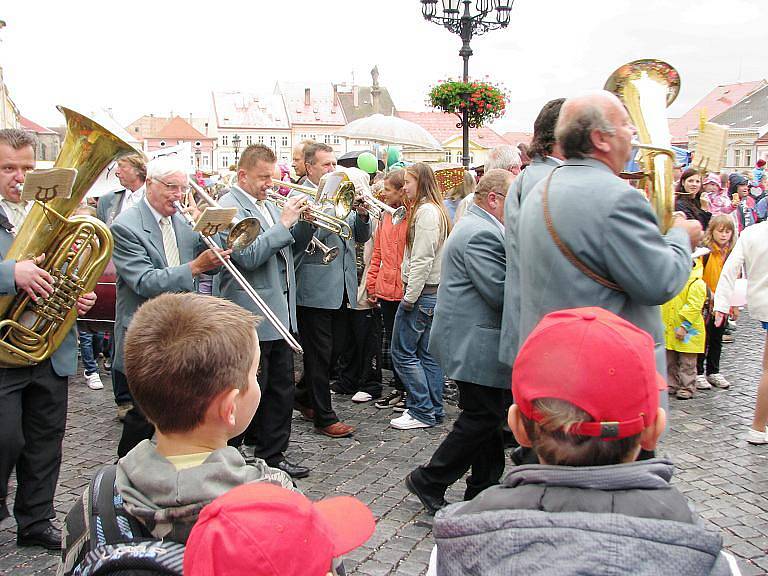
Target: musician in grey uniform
[
  {"x": 33, "y": 400},
  {"x": 268, "y": 266}
]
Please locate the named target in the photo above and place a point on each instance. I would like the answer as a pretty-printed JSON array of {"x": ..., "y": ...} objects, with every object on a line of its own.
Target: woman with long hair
[
  {"x": 455, "y": 195},
  {"x": 428, "y": 227},
  {"x": 688, "y": 198}
]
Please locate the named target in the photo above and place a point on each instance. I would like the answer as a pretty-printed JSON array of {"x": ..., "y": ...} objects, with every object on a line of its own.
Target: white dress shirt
[
  {"x": 15, "y": 211},
  {"x": 157, "y": 216},
  {"x": 132, "y": 198}
]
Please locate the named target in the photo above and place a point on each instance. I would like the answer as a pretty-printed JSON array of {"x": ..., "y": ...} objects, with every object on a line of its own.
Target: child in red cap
[
  {"x": 586, "y": 395},
  {"x": 261, "y": 529}
]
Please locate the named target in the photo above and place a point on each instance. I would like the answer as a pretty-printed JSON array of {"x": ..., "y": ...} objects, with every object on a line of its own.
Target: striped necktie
[{"x": 169, "y": 242}]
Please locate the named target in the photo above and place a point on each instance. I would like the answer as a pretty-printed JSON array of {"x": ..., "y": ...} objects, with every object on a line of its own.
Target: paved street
[{"x": 723, "y": 475}]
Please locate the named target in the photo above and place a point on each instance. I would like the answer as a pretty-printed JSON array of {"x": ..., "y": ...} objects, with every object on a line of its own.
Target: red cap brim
[{"x": 351, "y": 521}]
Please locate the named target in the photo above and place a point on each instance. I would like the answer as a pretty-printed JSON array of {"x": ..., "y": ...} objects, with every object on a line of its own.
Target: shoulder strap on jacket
[{"x": 564, "y": 249}]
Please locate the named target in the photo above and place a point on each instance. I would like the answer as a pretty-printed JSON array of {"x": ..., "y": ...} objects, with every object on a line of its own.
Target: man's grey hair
[
  {"x": 18, "y": 139},
  {"x": 165, "y": 166},
  {"x": 575, "y": 125},
  {"x": 504, "y": 157},
  {"x": 311, "y": 150}
]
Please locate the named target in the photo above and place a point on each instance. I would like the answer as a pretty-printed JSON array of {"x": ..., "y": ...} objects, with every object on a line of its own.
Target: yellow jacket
[{"x": 687, "y": 307}]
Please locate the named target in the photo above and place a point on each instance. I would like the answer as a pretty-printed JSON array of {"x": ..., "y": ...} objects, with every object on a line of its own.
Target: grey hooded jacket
[{"x": 605, "y": 520}]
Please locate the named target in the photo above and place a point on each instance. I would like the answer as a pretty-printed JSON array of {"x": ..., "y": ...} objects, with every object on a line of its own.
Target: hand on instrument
[
  {"x": 294, "y": 207},
  {"x": 85, "y": 303},
  {"x": 33, "y": 280},
  {"x": 360, "y": 205},
  {"x": 692, "y": 227},
  {"x": 208, "y": 261}
]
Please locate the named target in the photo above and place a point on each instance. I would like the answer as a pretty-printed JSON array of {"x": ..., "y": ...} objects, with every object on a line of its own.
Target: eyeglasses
[{"x": 178, "y": 187}]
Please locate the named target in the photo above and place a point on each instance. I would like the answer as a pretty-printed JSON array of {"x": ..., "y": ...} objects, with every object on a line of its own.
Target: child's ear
[
  {"x": 227, "y": 407},
  {"x": 650, "y": 436},
  {"x": 515, "y": 421}
]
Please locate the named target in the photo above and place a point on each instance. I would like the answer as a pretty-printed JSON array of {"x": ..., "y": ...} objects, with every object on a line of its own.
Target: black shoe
[
  {"x": 430, "y": 502},
  {"x": 293, "y": 470},
  {"x": 47, "y": 537}
]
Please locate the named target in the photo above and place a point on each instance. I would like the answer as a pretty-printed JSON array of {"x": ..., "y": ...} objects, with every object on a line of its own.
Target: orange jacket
[{"x": 384, "y": 279}]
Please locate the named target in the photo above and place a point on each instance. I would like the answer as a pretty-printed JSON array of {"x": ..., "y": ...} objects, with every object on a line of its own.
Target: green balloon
[
  {"x": 367, "y": 162},
  {"x": 393, "y": 156}
]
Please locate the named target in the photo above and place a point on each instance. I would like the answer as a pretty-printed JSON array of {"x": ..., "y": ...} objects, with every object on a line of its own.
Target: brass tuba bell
[
  {"x": 647, "y": 87},
  {"x": 77, "y": 249}
]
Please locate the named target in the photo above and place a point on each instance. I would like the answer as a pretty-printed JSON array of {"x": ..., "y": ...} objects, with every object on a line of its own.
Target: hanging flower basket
[{"x": 484, "y": 101}]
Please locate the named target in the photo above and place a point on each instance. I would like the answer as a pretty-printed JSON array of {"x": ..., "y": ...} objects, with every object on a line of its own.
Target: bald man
[{"x": 605, "y": 222}]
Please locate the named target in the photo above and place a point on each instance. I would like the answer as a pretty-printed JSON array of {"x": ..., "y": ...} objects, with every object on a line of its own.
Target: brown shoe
[
  {"x": 337, "y": 430},
  {"x": 307, "y": 413}
]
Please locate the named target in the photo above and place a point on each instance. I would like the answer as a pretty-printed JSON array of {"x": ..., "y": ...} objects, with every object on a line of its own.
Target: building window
[
  {"x": 224, "y": 161},
  {"x": 448, "y": 157},
  {"x": 737, "y": 157},
  {"x": 225, "y": 140},
  {"x": 284, "y": 141},
  {"x": 747, "y": 157},
  {"x": 336, "y": 139},
  {"x": 248, "y": 140},
  {"x": 261, "y": 139},
  {"x": 273, "y": 141},
  {"x": 327, "y": 139},
  {"x": 205, "y": 160}
]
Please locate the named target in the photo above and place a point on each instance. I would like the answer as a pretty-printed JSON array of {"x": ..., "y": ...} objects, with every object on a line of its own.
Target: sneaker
[
  {"x": 390, "y": 400},
  {"x": 755, "y": 437},
  {"x": 94, "y": 381},
  {"x": 702, "y": 383},
  {"x": 407, "y": 422},
  {"x": 728, "y": 338},
  {"x": 361, "y": 397},
  {"x": 719, "y": 381}
]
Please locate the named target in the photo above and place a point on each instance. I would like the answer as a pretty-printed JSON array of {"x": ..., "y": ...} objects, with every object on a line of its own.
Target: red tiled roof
[
  {"x": 443, "y": 127},
  {"x": 323, "y": 109},
  {"x": 179, "y": 129},
  {"x": 713, "y": 104},
  {"x": 27, "y": 124},
  {"x": 517, "y": 137}
]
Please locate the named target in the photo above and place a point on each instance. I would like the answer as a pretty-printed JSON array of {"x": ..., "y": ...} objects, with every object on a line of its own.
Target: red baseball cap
[
  {"x": 261, "y": 528},
  {"x": 596, "y": 361}
]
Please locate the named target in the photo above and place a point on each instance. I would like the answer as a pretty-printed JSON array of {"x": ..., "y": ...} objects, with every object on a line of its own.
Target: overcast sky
[{"x": 166, "y": 56}]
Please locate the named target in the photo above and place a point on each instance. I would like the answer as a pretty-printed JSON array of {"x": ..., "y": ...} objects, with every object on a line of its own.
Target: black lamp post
[
  {"x": 467, "y": 25},
  {"x": 236, "y": 146},
  {"x": 198, "y": 153}
]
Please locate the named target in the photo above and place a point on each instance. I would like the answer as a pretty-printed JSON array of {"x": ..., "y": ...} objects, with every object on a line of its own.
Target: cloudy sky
[{"x": 166, "y": 56}]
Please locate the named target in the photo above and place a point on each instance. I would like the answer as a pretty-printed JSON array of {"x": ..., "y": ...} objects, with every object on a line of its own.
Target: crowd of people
[{"x": 544, "y": 289}]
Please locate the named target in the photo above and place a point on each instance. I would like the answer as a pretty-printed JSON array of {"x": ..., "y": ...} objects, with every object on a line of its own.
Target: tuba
[
  {"x": 647, "y": 87},
  {"x": 77, "y": 249}
]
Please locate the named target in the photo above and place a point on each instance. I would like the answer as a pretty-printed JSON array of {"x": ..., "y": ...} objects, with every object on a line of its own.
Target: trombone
[
  {"x": 242, "y": 232},
  {"x": 376, "y": 208},
  {"x": 241, "y": 242},
  {"x": 341, "y": 201}
]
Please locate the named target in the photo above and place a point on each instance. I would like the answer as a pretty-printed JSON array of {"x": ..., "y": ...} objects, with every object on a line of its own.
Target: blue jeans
[
  {"x": 421, "y": 375},
  {"x": 86, "y": 351}
]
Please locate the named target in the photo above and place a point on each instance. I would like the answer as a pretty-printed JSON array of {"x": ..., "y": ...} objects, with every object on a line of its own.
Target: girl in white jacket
[{"x": 751, "y": 252}]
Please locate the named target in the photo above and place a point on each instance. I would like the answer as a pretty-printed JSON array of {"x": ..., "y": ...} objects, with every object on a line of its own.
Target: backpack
[{"x": 119, "y": 544}]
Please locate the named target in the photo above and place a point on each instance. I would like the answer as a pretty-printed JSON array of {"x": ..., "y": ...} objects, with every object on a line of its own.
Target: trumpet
[
  {"x": 329, "y": 254},
  {"x": 315, "y": 215},
  {"x": 376, "y": 208},
  {"x": 240, "y": 242}
]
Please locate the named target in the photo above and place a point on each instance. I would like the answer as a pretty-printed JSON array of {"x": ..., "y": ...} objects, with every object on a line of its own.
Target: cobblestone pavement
[{"x": 723, "y": 475}]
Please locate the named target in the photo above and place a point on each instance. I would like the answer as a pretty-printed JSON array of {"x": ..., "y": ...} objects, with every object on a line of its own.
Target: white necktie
[
  {"x": 267, "y": 216},
  {"x": 169, "y": 242}
]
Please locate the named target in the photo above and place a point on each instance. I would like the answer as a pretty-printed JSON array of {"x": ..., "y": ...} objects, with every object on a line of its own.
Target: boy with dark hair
[
  {"x": 586, "y": 397},
  {"x": 191, "y": 362}
]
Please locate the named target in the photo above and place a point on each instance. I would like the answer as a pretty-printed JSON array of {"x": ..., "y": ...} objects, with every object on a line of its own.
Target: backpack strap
[
  {"x": 109, "y": 522},
  {"x": 564, "y": 249}
]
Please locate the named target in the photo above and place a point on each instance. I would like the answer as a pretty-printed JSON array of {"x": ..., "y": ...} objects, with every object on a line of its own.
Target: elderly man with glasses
[{"x": 155, "y": 252}]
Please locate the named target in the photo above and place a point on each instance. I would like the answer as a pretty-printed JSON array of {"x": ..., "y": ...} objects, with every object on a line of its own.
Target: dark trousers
[
  {"x": 475, "y": 441},
  {"x": 388, "y": 311},
  {"x": 323, "y": 335},
  {"x": 714, "y": 348},
  {"x": 136, "y": 428},
  {"x": 270, "y": 429},
  {"x": 120, "y": 388},
  {"x": 360, "y": 362},
  {"x": 33, "y": 417}
]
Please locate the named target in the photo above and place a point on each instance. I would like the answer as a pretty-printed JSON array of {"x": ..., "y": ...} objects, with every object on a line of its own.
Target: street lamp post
[
  {"x": 236, "y": 146},
  {"x": 467, "y": 25},
  {"x": 198, "y": 153}
]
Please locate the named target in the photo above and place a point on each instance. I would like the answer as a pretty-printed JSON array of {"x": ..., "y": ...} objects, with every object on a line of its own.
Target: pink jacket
[
  {"x": 388, "y": 248},
  {"x": 720, "y": 203}
]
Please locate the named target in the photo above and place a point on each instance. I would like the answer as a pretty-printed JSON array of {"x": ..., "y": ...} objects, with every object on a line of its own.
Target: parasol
[{"x": 390, "y": 130}]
